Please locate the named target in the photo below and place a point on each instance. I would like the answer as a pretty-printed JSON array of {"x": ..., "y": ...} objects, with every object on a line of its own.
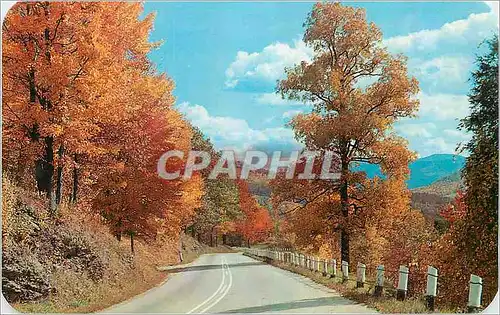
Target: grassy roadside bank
[
  {"x": 384, "y": 304},
  {"x": 77, "y": 295},
  {"x": 72, "y": 263}
]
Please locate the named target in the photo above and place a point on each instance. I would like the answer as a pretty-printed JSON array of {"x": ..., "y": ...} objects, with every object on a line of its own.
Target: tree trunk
[
  {"x": 193, "y": 231},
  {"x": 47, "y": 44},
  {"x": 212, "y": 237},
  {"x": 118, "y": 232},
  {"x": 59, "y": 175},
  {"x": 33, "y": 133},
  {"x": 344, "y": 200},
  {"x": 248, "y": 243},
  {"x": 132, "y": 243},
  {"x": 44, "y": 167},
  {"x": 344, "y": 243},
  {"x": 75, "y": 181},
  {"x": 31, "y": 79},
  {"x": 181, "y": 258},
  {"x": 224, "y": 239},
  {"x": 216, "y": 239},
  {"x": 44, "y": 173}
]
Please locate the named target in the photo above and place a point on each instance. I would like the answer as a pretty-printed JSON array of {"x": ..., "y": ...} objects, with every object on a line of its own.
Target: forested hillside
[
  {"x": 93, "y": 211},
  {"x": 374, "y": 220},
  {"x": 86, "y": 220},
  {"x": 426, "y": 170}
]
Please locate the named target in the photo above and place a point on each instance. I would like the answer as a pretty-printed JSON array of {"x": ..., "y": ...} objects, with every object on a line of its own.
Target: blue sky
[{"x": 226, "y": 57}]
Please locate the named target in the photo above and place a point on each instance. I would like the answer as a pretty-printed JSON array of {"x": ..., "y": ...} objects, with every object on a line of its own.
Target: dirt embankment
[{"x": 73, "y": 264}]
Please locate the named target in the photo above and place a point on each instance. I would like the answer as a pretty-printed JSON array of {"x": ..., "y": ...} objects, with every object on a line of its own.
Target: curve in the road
[
  {"x": 222, "y": 288},
  {"x": 233, "y": 283},
  {"x": 230, "y": 284}
]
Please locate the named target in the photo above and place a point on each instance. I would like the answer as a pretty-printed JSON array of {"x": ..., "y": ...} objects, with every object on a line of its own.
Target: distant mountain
[
  {"x": 429, "y": 203},
  {"x": 427, "y": 170},
  {"x": 434, "y": 181},
  {"x": 452, "y": 178},
  {"x": 434, "y": 197},
  {"x": 446, "y": 186}
]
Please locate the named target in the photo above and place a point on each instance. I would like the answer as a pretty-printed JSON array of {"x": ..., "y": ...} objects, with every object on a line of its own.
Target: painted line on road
[
  {"x": 219, "y": 289},
  {"x": 224, "y": 293}
]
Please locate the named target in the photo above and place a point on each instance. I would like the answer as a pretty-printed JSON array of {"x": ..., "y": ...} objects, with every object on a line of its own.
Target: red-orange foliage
[
  {"x": 68, "y": 68},
  {"x": 384, "y": 228},
  {"x": 85, "y": 111},
  {"x": 456, "y": 260},
  {"x": 353, "y": 121},
  {"x": 256, "y": 224},
  {"x": 456, "y": 210}
]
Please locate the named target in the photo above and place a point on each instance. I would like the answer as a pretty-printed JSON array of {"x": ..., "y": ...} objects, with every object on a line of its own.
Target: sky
[{"x": 225, "y": 58}]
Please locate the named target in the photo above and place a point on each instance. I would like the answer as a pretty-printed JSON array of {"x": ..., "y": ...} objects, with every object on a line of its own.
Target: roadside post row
[{"x": 329, "y": 268}]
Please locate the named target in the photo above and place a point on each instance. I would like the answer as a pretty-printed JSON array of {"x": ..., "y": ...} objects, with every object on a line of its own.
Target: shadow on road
[
  {"x": 324, "y": 301},
  {"x": 210, "y": 267}
]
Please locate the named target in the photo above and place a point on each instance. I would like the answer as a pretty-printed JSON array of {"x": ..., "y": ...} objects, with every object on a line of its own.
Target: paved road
[{"x": 233, "y": 283}]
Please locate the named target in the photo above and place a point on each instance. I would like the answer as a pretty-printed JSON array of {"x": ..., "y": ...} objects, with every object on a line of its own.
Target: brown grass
[
  {"x": 124, "y": 275},
  {"x": 79, "y": 294}
]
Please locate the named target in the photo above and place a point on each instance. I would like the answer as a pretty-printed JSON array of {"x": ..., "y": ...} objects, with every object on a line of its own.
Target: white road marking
[
  {"x": 219, "y": 289},
  {"x": 224, "y": 293}
]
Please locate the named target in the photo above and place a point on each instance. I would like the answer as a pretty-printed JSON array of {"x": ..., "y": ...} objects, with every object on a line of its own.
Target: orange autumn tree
[
  {"x": 67, "y": 71},
  {"x": 304, "y": 211},
  {"x": 220, "y": 208},
  {"x": 380, "y": 217},
  {"x": 447, "y": 254},
  {"x": 86, "y": 111},
  {"x": 358, "y": 91},
  {"x": 455, "y": 211},
  {"x": 133, "y": 199},
  {"x": 256, "y": 225}
]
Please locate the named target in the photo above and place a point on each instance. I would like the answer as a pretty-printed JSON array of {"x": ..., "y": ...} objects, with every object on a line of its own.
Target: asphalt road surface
[{"x": 234, "y": 283}]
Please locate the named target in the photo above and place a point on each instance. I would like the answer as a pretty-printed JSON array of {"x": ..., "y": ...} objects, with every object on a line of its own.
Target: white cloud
[
  {"x": 444, "y": 73},
  {"x": 494, "y": 7},
  {"x": 473, "y": 29},
  {"x": 435, "y": 129},
  {"x": 228, "y": 128},
  {"x": 438, "y": 145},
  {"x": 422, "y": 130},
  {"x": 269, "y": 119},
  {"x": 291, "y": 113},
  {"x": 277, "y": 100},
  {"x": 267, "y": 65},
  {"x": 229, "y": 132},
  {"x": 446, "y": 142},
  {"x": 456, "y": 135},
  {"x": 443, "y": 79},
  {"x": 443, "y": 106}
]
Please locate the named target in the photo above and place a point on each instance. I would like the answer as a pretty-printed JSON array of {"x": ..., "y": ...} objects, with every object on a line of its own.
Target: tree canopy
[{"x": 358, "y": 91}]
